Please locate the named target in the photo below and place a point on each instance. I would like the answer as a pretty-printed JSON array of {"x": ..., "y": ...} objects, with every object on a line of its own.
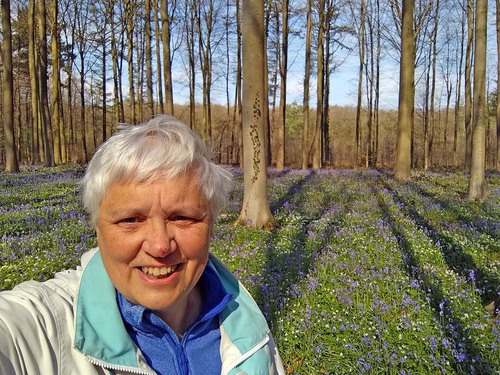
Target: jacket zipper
[
  {"x": 108, "y": 366},
  {"x": 248, "y": 354}
]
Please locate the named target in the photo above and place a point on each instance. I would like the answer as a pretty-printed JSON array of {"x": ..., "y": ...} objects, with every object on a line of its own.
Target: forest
[{"x": 72, "y": 70}]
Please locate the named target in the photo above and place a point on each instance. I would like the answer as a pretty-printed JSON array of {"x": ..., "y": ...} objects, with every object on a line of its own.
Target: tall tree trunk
[
  {"x": 189, "y": 27},
  {"x": 204, "y": 44},
  {"x": 307, "y": 76},
  {"x": 325, "y": 129},
  {"x": 402, "y": 167},
  {"x": 255, "y": 209},
  {"x": 48, "y": 144},
  {"x": 32, "y": 66},
  {"x": 130, "y": 22},
  {"x": 433, "y": 73},
  {"x": 149, "y": 58},
  {"x": 317, "y": 142},
  {"x": 498, "y": 88},
  {"x": 11, "y": 162},
  {"x": 477, "y": 182},
  {"x": 370, "y": 76},
  {"x": 167, "y": 64},
  {"x": 238, "y": 115},
  {"x": 361, "y": 55},
  {"x": 158, "y": 57},
  {"x": 118, "y": 114},
  {"x": 280, "y": 155},
  {"x": 57, "y": 124},
  {"x": 468, "y": 85},
  {"x": 458, "y": 95},
  {"x": 377, "y": 83}
]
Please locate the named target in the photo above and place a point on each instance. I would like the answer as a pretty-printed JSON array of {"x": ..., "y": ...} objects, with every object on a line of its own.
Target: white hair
[{"x": 161, "y": 148}]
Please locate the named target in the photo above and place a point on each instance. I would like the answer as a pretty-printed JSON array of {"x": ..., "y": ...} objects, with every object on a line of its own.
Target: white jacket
[{"x": 71, "y": 324}]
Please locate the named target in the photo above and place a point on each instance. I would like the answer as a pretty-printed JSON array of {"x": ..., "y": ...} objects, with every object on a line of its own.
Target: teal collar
[{"x": 99, "y": 329}]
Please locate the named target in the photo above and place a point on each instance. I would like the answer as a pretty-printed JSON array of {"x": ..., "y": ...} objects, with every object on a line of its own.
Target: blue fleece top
[{"x": 198, "y": 351}]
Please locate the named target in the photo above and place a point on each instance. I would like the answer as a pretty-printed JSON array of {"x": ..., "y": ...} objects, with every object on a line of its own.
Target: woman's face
[{"x": 154, "y": 239}]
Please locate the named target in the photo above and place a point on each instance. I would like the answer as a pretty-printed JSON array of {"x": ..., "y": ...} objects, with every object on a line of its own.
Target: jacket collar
[
  {"x": 101, "y": 334},
  {"x": 99, "y": 329}
]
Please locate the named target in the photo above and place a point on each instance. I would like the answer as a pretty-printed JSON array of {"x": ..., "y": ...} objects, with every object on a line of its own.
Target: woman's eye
[
  {"x": 182, "y": 218},
  {"x": 129, "y": 220}
]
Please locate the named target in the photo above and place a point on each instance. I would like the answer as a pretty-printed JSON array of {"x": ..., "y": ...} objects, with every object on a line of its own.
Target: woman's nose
[{"x": 160, "y": 239}]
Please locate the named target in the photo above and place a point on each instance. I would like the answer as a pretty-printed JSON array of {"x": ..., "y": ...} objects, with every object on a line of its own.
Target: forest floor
[{"x": 363, "y": 275}]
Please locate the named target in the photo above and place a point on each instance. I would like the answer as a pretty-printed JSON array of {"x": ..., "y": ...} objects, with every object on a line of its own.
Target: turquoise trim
[
  {"x": 242, "y": 319},
  {"x": 100, "y": 332}
]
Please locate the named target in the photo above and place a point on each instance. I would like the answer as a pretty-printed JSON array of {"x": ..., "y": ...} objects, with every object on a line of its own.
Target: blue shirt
[{"x": 198, "y": 351}]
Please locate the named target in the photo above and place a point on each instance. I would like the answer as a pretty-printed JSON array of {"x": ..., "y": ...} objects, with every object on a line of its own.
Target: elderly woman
[{"x": 151, "y": 299}]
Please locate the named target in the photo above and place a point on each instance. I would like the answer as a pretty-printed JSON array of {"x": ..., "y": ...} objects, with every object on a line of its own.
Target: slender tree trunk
[
  {"x": 255, "y": 209},
  {"x": 167, "y": 64},
  {"x": 43, "y": 79},
  {"x": 361, "y": 55},
  {"x": 239, "y": 89},
  {"x": 118, "y": 115},
  {"x": 377, "y": 83},
  {"x": 32, "y": 64},
  {"x": 11, "y": 162},
  {"x": 59, "y": 151},
  {"x": 307, "y": 76},
  {"x": 370, "y": 75},
  {"x": 317, "y": 142},
  {"x": 149, "y": 58},
  {"x": 458, "y": 99},
  {"x": 280, "y": 157},
  {"x": 130, "y": 21},
  {"x": 477, "y": 182},
  {"x": 158, "y": 56},
  {"x": 402, "y": 167},
  {"x": 498, "y": 89},
  {"x": 433, "y": 73},
  {"x": 468, "y": 85}
]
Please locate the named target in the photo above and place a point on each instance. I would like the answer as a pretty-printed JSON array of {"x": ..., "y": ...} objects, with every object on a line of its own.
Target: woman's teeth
[{"x": 159, "y": 271}]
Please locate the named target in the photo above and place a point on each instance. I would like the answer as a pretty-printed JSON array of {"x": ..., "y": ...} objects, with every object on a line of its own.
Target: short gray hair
[{"x": 164, "y": 147}]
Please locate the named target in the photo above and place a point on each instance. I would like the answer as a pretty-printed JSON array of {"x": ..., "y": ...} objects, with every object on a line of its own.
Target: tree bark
[
  {"x": 59, "y": 149},
  {"x": 317, "y": 140},
  {"x": 32, "y": 64},
  {"x": 158, "y": 56},
  {"x": 48, "y": 144},
  {"x": 307, "y": 76},
  {"x": 498, "y": 88},
  {"x": 402, "y": 167},
  {"x": 11, "y": 162},
  {"x": 361, "y": 55},
  {"x": 477, "y": 181},
  {"x": 468, "y": 85},
  {"x": 149, "y": 58},
  {"x": 255, "y": 209},
  {"x": 130, "y": 22},
  {"x": 280, "y": 156},
  {"x": 167, "y": 64}
]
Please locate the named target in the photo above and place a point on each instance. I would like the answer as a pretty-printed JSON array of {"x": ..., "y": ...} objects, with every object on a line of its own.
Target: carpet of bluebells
[{"x": 364, "y": 275}]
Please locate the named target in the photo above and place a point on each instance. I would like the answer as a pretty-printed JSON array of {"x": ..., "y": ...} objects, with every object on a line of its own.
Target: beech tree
[
  {"x": 468, "y": 84},
  {"x": 255, "y": 210},
  {"x": 280, "y": 157},
  {"x": 477, "y": 181},
  {"x": 307, "y": 77},
  {"x": 498, "y": 88},
  {"x": 166, "y": 11},
  {"x": 48, "y": 140},
  {"x": 402, "y": 166},
  {"x": 11, "y": 162},
  {"x": 57, "y": 124}
]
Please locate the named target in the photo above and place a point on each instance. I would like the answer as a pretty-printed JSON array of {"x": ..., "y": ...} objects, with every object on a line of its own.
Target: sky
[{"x": 344, "y": 80}]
